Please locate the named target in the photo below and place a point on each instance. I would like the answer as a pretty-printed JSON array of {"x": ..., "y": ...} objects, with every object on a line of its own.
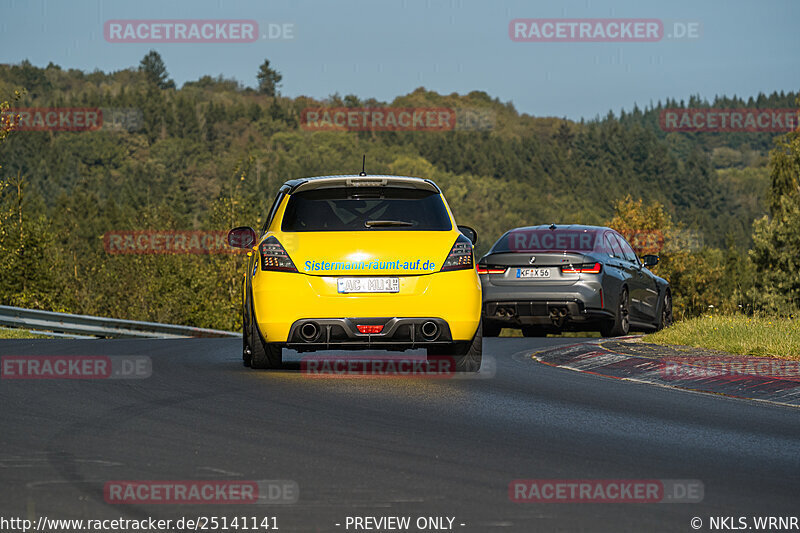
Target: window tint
[
  {"x": 627, "y": 251},
  {"x": 612, "y": 246},
  {"x": 349, "y": 209},
  {"x": 543, "y": 240}
]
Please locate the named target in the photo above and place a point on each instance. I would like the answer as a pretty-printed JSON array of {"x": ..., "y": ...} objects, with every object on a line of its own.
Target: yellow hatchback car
[{"x": 360, "y": 262}]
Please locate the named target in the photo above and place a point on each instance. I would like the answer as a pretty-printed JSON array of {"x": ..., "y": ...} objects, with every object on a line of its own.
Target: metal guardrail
[{"x": 44, "y": 321}]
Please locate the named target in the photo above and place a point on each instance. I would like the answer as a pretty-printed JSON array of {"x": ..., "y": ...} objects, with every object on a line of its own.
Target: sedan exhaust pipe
[
  {"x": 505, "y": 312},
  {"x": 558, "y": 315}
]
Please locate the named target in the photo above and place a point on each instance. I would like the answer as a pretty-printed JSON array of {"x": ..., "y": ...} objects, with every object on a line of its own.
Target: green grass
[
  {"x": 6, "y": 333},
  {"x": 736, "y": 334}
]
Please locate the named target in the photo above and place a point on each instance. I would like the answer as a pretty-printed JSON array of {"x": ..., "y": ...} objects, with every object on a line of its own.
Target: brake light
[
  {"x": 370, "y": 329},
  {"x": 483, "y": 269},
  {"x": 460, "y": 256},
  {"x": 588, "y": 268},
  {"x": 274, "y": 256}
]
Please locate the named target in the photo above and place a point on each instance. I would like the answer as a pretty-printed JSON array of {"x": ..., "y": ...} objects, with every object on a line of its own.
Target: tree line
[{"x": 211, "y": 154}]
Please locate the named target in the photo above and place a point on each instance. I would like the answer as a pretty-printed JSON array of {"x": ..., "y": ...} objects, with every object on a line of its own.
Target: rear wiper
[{"x": 384, "y": 223}]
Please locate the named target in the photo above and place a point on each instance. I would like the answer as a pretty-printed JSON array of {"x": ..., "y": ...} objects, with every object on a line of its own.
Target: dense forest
[{"x": 211, "y": 154}]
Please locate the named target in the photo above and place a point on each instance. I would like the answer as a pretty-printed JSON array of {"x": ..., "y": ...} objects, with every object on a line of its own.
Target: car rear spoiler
[{"x": 401, "y": 182}]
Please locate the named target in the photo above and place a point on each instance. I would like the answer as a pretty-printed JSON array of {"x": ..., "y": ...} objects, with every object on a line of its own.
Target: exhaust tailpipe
[
  {"x": 309, "y": 331},
  {"x": 557, "y": 316},
  {"x": 430, "y": 330}
]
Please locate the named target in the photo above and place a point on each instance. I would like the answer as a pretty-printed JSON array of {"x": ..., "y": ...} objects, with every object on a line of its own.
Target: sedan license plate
[
  {"x": 533, "y": 273},
  {"x": 361, "y": 285}
]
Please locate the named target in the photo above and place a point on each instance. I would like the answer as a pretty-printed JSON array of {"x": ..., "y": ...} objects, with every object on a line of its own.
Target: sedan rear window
[
  {"x": 365, "y": 209},
  {"x": 546, "y": 240}
]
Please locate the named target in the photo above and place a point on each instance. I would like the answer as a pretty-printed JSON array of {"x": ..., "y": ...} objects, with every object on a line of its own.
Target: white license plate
[
  {"x": 351, "y": 285},
  {"x": 533, "y": 272}
]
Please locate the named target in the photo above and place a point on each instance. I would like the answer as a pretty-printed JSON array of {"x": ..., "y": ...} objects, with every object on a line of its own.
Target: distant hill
[{"x": 179, "y": 150}]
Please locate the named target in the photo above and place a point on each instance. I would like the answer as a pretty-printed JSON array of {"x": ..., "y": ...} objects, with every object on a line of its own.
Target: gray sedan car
[{"x": 548, "y": 279}]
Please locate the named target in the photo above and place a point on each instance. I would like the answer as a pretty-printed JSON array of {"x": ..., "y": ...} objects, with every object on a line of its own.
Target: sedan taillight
[
  {"x": 587, "y": 268},
  {"x": 460, "y": 256},
  {"x": 274, "y": 256},
  {"x": 483, "y": 269}
]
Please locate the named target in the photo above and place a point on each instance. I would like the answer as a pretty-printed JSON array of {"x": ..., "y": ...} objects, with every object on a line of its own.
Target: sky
[{"x": 384, "y": 49}]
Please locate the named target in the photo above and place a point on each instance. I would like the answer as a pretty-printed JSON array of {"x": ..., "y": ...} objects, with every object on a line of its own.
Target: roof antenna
[{"x": 363, "y": 164}]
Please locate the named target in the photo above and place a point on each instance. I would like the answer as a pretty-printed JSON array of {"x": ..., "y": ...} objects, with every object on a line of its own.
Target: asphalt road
[{"x": 384, "y": 447}]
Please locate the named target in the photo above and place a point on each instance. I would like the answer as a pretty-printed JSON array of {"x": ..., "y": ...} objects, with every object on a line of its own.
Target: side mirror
[
  {"x": 242, "y": 237},
  {"x": 649, "y": 260},
  {"x": 469, "y": 233}
]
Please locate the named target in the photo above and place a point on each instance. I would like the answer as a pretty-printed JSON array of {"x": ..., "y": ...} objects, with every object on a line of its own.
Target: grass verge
[
  {"x": 10, "y": 333},
  {"x": 736, "y": 334}
]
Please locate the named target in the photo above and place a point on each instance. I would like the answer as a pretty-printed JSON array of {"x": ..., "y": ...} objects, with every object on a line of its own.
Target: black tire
[
  {"x": 246, "y": 352},
  {"x": 466, "y": 354},
  {"x": 262, "y": 354},
  {"x": 267, "y": 355},
  {"x": 621, "y": 324},
  {"x": 491, "y": 329},
  {"x": 533, "y": 331},
  {"x": 246, "y": 324},
  {"x": 665, "y": 316}
]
